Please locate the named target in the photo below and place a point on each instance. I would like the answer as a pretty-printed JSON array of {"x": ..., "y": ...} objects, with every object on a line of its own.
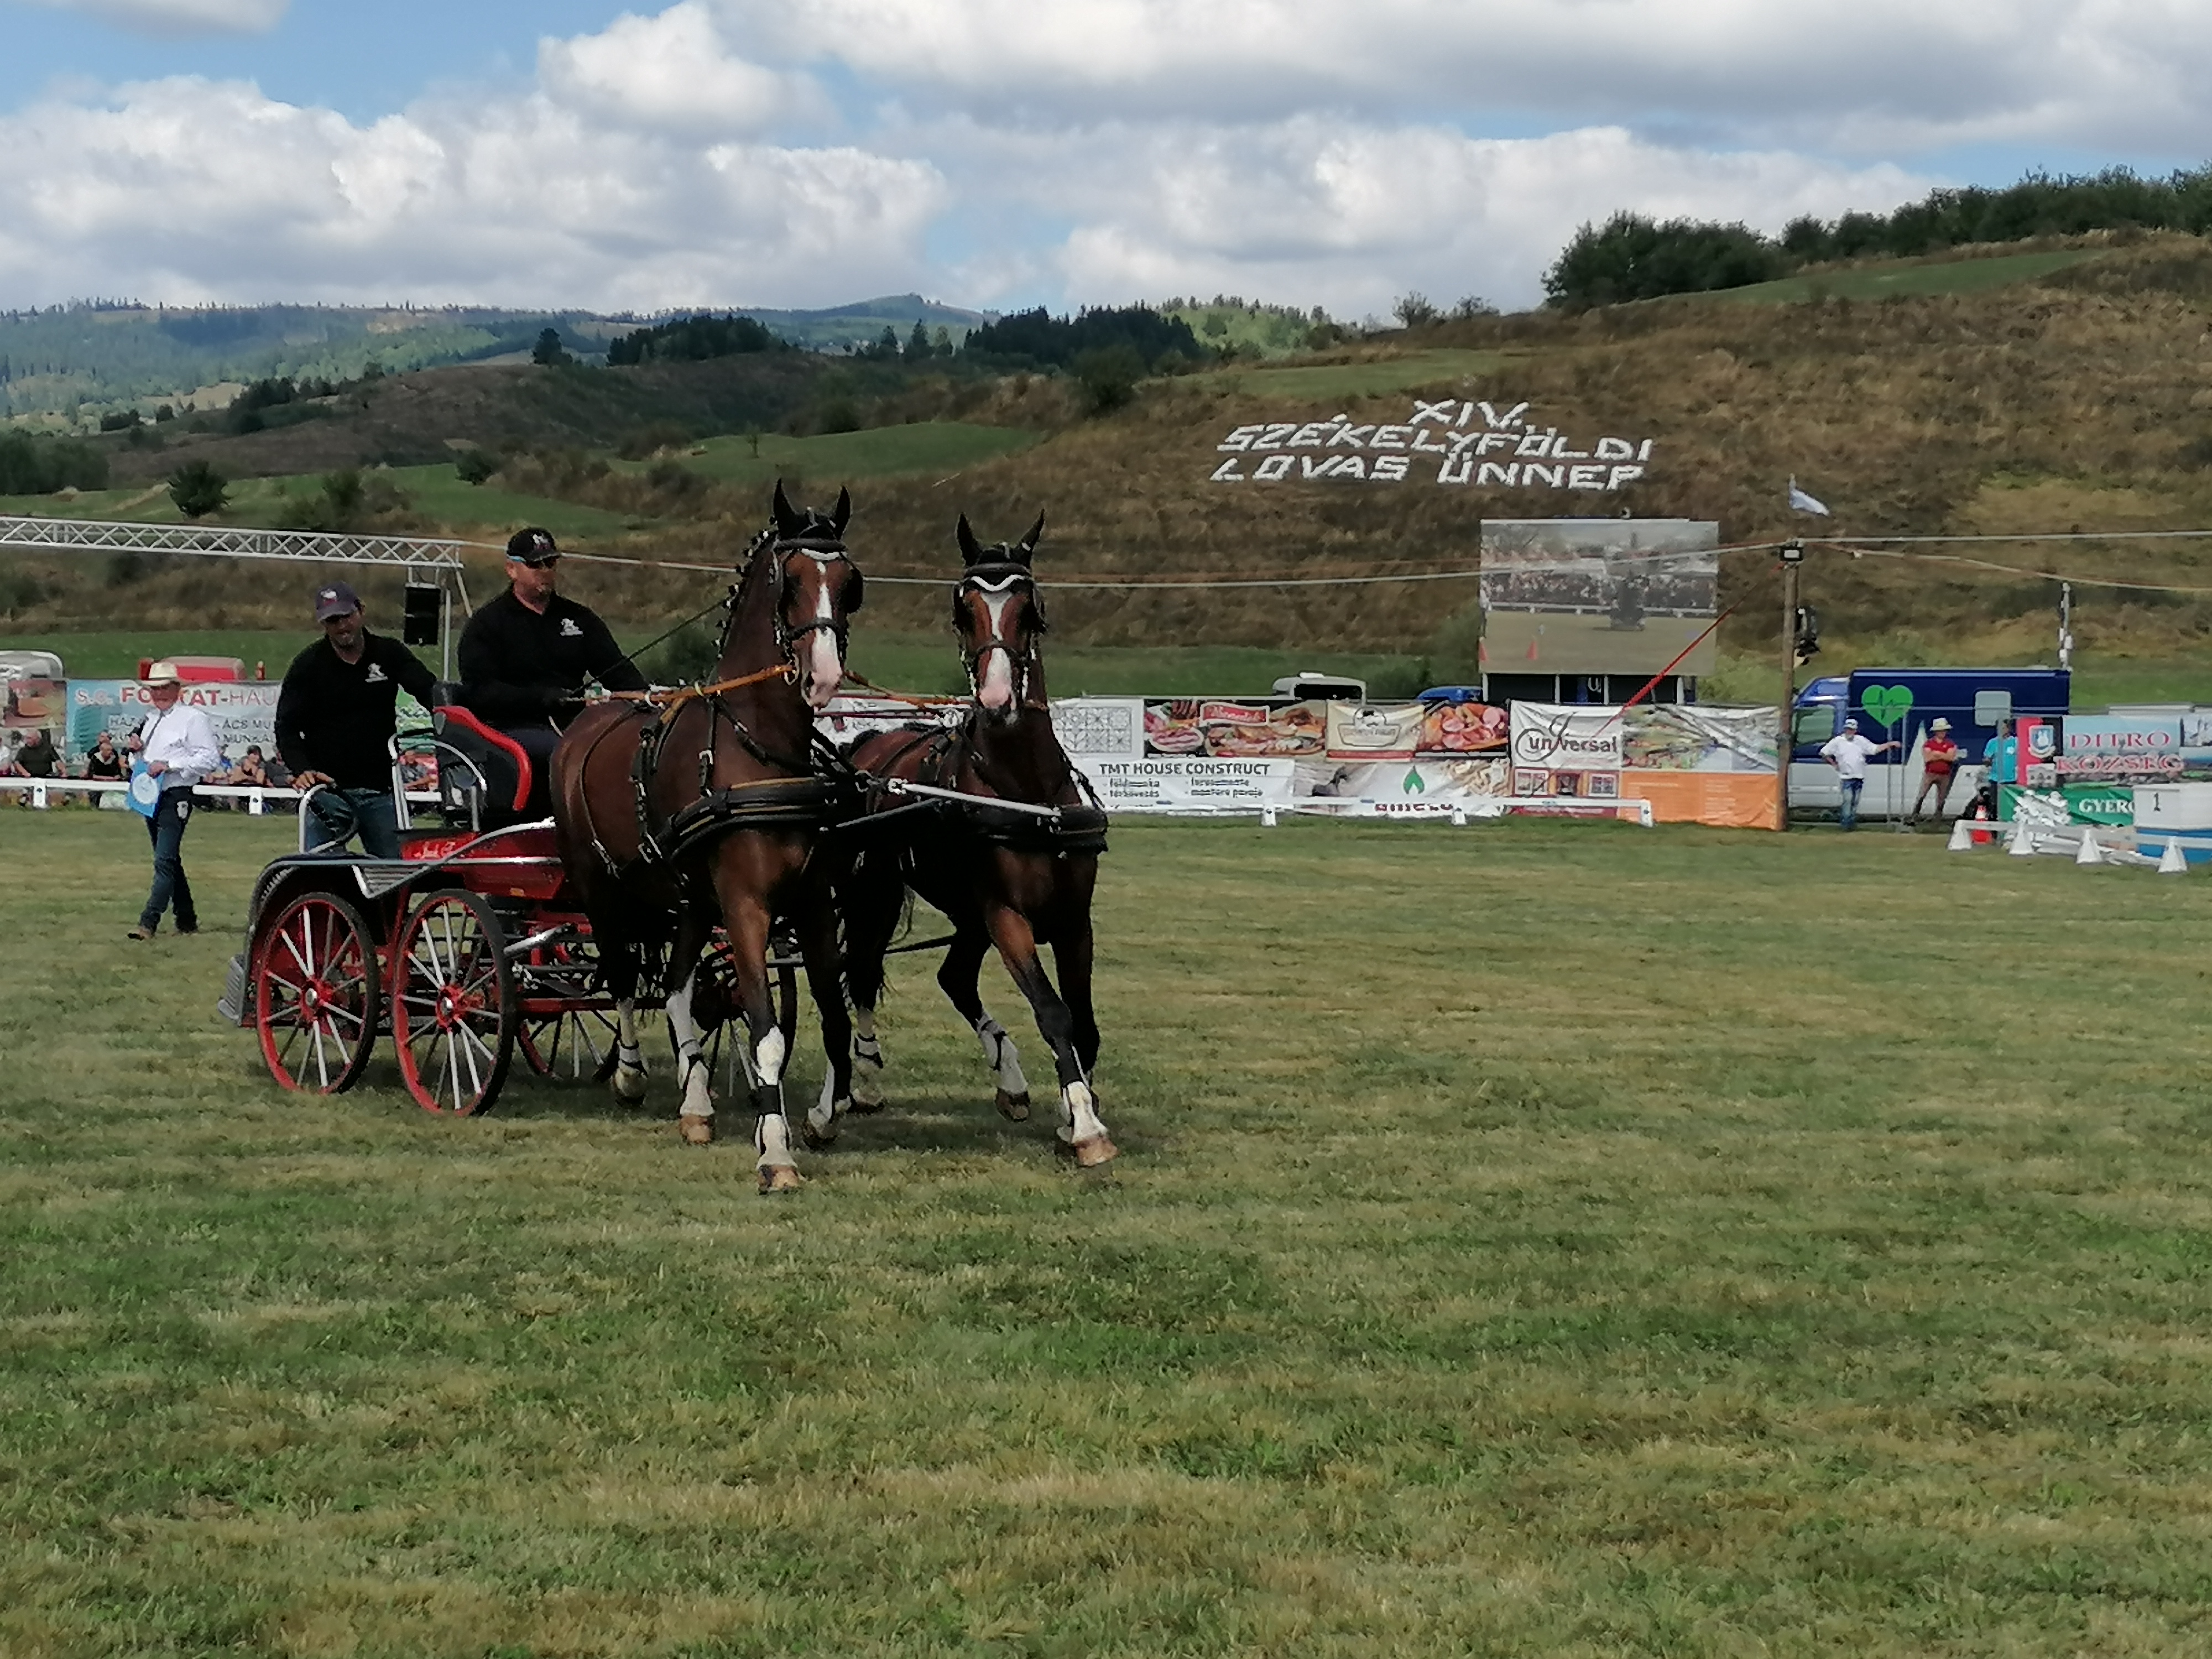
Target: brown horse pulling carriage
[{"x": 688, "y": 826}]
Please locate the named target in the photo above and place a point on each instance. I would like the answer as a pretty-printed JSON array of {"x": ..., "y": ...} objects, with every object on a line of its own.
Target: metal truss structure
[{"x": 224, "y": 542}]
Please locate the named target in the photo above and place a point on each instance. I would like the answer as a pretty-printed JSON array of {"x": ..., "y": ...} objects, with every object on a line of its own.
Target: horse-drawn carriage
[
  {"x": 467, "y": 947},
  {"x": 706, "y": 881}
]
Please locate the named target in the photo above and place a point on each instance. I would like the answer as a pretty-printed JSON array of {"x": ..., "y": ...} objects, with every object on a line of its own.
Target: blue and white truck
[{"x": 1898, "y": 705}]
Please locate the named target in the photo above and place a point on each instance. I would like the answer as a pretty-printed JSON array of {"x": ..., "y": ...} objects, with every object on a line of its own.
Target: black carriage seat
[{"x": 503, "y": 761}]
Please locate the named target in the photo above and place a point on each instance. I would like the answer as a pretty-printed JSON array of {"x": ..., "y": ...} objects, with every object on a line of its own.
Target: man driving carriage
[
  {"x": 336, "y": 716},
  {"x": 526, "y": 656}
]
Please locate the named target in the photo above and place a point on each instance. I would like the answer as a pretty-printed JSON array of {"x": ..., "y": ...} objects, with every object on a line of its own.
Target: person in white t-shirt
[
  {"x": 178, "y": 744},
  {"x": 1849, "y": 752}
]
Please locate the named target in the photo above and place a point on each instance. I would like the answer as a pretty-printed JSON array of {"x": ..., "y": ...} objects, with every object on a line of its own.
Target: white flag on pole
[{"x": 1801, "y": 502}]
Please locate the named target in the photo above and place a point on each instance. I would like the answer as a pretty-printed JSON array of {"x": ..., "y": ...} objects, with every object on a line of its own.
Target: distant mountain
[{"x": 70, "y": 363}]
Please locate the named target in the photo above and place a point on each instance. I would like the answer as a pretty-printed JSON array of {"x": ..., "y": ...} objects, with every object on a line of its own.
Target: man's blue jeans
[
  {"x": 1850, "y": 787},
  {"x": 171, "y": 887},
  {"x": 341, "y": 813}
]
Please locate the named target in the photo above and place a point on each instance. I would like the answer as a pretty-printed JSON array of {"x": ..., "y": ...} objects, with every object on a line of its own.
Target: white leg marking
[
  {"x": 1001, "y": 1057},
  {"x": 863, "y": 1022},
  {"x": 629, "y": 1060},
  {"x": 867, "y": 1059},
  {"x": 1079, "y": 1118},
  {"x": 698, "y": 1082},
  {"x": 822, "y": 1117},
  {"x": 768, "y": 1059},
  {"x": 772, "y": 1140}
]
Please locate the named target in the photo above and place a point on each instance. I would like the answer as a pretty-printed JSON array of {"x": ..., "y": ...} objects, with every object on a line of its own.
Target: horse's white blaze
[
  {"x": 1001, "y": 1057},
  {"x": 1079, "y": 1117},
  {"x": 768, "y": 1059},
  {"x": 823, "y": 672},
  {"x": 698, "y": 1081},
  {"x": 772, "y": 1140},
  {"x": 997, "y": 690}
]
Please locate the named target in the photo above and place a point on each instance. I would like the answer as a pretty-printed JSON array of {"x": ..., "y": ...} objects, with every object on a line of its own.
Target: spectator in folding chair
[{"x": 526, "y": 657}]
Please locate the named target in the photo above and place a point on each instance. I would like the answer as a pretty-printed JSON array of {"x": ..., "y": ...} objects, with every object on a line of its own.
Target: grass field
[
  {"x": 1537, "y": 1239},
  {"x": 1888, "y": 280}
]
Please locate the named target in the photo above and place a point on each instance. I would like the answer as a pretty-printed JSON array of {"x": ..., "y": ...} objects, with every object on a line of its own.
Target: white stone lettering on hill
[{"x": 1449, "y": 442}]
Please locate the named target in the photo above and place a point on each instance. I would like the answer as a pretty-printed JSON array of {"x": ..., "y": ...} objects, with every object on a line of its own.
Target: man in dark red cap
[
  {"x": 527, "y": 656},
  {"x": 336, "y": 716}
]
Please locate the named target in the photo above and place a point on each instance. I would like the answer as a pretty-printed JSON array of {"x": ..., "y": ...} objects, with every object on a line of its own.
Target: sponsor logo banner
[
  {"x": 1375, "y": 731},
  {"x": 1228, "y": 729},
  {"x": 242, "y": 712},
  {"x": 1191, "y": 784}
]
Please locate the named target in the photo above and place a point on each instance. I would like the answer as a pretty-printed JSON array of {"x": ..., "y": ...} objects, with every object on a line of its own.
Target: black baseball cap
[
  {"x": 532, "y": 546},
  {"x": 335, "y": 600}
]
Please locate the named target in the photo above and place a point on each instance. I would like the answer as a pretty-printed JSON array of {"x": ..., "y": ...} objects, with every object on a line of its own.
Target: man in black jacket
[
  {"x": 336, "y": 716},
  {"x": 525, "y": 656}
]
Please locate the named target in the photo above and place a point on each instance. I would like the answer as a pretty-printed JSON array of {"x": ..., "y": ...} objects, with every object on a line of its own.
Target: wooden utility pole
[{"x": 1793, "y": 555}]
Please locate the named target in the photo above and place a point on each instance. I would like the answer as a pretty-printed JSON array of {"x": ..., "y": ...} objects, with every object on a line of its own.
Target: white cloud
[
  {"x": 1349, "y": 214},
  {"x": 187, "y": 190},
  {"x": 1813, "y": 72},
  {"x": 673, "y": 72},
  {"x": 182, "y": 17}
]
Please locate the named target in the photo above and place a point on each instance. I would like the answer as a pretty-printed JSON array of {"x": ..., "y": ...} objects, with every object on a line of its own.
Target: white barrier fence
[{"x": 258, "y": 801}]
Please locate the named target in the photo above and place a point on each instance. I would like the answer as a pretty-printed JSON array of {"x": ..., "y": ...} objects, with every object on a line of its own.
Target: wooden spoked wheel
[
  {"x": 315, "y": 994},
  {"x": 453, "y": 1006}
]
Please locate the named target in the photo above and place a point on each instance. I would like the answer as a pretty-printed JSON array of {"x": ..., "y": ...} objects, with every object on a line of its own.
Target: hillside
[
  {"x": 56, "y": 362},
  {"x": 2072, "y": 398}
]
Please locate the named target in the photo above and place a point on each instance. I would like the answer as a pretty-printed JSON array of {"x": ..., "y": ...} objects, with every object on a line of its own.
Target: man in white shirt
[
  {"x": 178, "y": 745},
  {"x": 1849, "y": 753}
]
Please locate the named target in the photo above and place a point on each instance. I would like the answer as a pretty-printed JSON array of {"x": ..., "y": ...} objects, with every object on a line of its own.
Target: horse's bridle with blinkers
[
  {"x": 825, "y": 552},
  {"x": 998, "y": 577}
]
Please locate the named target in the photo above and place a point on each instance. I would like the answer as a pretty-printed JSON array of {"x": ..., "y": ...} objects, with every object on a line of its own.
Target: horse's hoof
[
  {"x": 781, "y": 1178},
  {"x": 1015, "y": 1109},
  {"x": 1090, "y": 1154},
  {"x": 629, "y": 1087},
  {"x": 696, "y": 1131},
  {"x": 814, "y": 1139},
  {"x": 867, "y": 1093}
]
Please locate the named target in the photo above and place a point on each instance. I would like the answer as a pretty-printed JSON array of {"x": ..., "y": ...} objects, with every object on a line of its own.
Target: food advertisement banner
[
  {"x": 1465, "y": 728},
  {"x": 243, "y": 712},
  {"x": 1226, "y": 729}
]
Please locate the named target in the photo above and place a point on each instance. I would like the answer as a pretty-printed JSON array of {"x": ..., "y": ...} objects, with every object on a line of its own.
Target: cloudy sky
[{"x": 1010, "y": 152}]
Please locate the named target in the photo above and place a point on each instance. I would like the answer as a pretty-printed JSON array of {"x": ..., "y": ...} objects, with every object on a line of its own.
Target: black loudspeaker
[{"x": 425, "y": 607}]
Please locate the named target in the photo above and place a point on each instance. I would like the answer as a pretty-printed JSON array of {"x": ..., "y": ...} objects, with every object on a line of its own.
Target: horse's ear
[
  {"x": 1025, "y": 549},
  {"x": 788, "y": 522},
  {"x": 843, "y": 510},
  {"x": 971, "y": 550}
]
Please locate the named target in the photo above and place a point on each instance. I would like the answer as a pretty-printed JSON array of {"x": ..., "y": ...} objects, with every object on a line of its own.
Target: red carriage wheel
[
  {"x": 454, "y": 1005},
  {"x": 314, "y": 994}
]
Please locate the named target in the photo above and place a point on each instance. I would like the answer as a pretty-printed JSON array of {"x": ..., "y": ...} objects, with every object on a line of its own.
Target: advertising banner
[
  {"x": 1568, "y": 750},
  {"x": 1418, "y": 789},
  {"x": 1227, "y": 729},
  {"x": 242, "y": 712},
  {"x": 2121, "y": 748},
  {"x": 1465, "y": 728},
  {"x": 1699, "y": 764},
  {"x": 1598, "y": 596},
  {"x": 32, "y": 706},
  {"x": 1375, "y": 731},
  {"x": 1100, "y": 728},
  {"x": 1190, "y": 785}
]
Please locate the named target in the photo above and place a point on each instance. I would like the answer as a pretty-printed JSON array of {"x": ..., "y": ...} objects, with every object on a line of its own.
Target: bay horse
[
  {"x": 702, "y": 805},
  {"x": 1001, "y": 878}
]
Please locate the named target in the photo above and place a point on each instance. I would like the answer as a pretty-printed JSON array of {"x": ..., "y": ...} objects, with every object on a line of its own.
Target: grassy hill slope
[{"x": 2078, "y": 397}]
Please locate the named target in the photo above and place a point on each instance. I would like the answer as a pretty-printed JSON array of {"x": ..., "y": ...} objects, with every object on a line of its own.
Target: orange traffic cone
[{"x": 1983, "y": 837}]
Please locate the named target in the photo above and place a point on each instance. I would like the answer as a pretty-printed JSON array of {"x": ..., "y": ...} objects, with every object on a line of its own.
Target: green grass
[
  {"x": 931, "y": 446},
  {"x": 1888, "y": 281},
  {"x": 1538, "y": 1239},
  {"x": 1367, "y": 379}
]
